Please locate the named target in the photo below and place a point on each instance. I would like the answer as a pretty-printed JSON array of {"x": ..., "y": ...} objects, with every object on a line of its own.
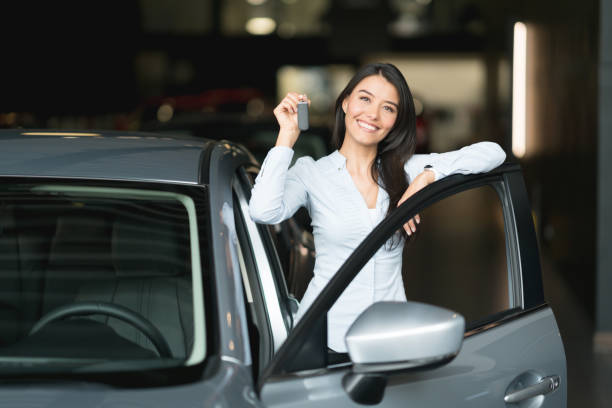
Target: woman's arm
[
  {"x": 476, "y": 158},
  {"x": 279, "y": 192},
  {"x": 424, "y": 169}
]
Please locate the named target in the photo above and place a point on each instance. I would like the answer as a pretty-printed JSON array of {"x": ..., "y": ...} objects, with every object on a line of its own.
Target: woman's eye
[
  {"x": 364, "y": 98},
  {"x": 389, "y": 109}
]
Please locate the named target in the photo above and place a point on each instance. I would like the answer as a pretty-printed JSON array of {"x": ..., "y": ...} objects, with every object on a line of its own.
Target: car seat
[
  {"x": 80, "y": 254},
  {"x": 152, "y": 278}
]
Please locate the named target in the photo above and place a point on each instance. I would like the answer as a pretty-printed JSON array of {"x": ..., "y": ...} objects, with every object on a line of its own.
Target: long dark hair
[{"x": 399, "y": 144}]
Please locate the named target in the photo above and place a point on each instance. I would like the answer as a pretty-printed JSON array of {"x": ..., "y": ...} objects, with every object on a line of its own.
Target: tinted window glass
[
  {"x": 458, "y": 258},
  {"x": 64, "y": 247}
]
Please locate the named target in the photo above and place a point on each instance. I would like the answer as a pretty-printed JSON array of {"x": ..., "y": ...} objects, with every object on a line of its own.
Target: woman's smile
[{"x": 367, "y": 126}]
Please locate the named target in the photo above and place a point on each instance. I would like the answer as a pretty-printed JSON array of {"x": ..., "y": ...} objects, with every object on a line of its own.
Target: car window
[
  {"x": 458, "y": 257},
  {"x": 456, "y": 260},
  {"x": 92, "y": 275}
]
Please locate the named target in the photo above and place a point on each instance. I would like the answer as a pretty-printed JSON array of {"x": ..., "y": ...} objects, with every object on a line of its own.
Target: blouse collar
[{"x": 338, "y": 159}]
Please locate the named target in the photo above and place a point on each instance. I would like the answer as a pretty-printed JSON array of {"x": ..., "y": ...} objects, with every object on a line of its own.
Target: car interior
[{"x": 115, "y": 271}]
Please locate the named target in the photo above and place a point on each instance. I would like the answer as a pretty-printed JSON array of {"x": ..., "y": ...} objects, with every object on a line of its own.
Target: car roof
[{"x": 135, "y": 156}]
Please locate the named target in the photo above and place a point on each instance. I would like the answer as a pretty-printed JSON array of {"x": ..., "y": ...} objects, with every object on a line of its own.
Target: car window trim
[
  {"x": 243, "y": 272},
  {"x": 268, "y": 240},
  {"x": 266, "y": 276},
  {"x": 257, "y": 313},
  {"x": 526, "y": 242},
  {"x": 502, "y": 318},
  {"x": 288, "y": 301},
  {"x": 513, "y": 249}
]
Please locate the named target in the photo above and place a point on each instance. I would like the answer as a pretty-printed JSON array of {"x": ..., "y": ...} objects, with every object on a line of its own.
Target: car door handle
[{"x": 544, "y": 386}]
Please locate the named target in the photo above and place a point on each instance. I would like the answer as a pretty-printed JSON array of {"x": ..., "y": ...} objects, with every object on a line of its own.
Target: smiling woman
[{"x": 348, "y": 192}]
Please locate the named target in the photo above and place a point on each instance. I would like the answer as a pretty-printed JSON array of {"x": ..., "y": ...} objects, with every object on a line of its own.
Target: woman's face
[{"x": 370, "y": 110}]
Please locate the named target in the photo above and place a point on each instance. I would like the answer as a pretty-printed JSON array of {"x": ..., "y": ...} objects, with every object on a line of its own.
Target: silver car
[{"x": 132, "y": 276}]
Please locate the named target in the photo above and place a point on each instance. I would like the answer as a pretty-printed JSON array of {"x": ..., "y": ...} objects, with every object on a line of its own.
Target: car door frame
[
  {"x": 229, "y": 197},
  {"x": 301, "y": 348}
]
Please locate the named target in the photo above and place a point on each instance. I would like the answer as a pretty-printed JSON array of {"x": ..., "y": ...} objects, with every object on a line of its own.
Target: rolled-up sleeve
[
  {"x": 476, "y": 158},
  {"x": 278, "y": 191}
]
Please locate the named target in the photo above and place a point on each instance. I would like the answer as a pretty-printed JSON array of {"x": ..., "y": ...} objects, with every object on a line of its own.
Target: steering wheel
[{"x": 108, "y": 309}]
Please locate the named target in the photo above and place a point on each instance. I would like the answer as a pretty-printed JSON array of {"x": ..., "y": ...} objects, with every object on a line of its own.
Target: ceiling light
[
  {"x": 261, "y": 26},
  {"x": 165, "y": 112}
]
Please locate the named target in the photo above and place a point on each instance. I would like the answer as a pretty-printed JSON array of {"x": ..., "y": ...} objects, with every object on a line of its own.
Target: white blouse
[{"x": 341, "y": 220}]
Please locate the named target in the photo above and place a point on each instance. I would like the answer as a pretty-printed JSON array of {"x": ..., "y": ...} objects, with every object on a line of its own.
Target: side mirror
[{"x": 398, "y": 336}]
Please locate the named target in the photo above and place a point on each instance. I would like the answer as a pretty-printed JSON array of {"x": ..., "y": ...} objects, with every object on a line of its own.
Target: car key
[{"x": 302, "y": 112}]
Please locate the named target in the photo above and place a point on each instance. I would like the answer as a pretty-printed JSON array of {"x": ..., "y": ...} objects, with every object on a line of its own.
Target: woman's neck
[{"x": 359, "y": 158}]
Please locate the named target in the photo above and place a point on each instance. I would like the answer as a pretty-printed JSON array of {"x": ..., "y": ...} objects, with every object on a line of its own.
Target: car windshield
[{"x": 96, "y": 276}]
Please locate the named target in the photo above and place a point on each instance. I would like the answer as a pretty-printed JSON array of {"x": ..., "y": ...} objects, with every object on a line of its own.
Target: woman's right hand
[
  {"x": 286, "y": 116},
  {"x": 422, "y": 180}
]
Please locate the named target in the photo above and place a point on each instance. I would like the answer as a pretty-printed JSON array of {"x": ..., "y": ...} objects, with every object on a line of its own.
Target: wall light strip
[{"x": 519, "y": 90}]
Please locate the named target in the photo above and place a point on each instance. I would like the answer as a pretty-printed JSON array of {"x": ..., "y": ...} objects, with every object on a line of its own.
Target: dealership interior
[{"x": 535, "y": 77}]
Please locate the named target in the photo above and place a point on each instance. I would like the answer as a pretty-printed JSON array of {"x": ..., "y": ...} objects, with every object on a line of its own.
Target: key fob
[{"x": 302, "y": 112}]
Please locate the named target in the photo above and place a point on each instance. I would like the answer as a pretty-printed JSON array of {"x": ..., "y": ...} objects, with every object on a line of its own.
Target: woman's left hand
[{"x": 422, "y": 180}]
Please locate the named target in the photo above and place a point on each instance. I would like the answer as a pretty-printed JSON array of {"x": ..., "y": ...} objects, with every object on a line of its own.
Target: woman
[{"x": 351, "y": 190}]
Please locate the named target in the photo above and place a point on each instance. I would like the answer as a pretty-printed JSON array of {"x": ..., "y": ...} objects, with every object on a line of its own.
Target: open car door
[{"x": 505, "y": 351}]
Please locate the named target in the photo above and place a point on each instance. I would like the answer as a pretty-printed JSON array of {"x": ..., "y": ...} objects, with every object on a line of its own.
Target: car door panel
[
  {"x": 478, "y": 377},
  {"x": 486, "y": 366}
]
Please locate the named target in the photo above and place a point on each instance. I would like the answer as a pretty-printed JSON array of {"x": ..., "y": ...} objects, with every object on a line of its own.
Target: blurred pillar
[{"x": 603, "y": 335}]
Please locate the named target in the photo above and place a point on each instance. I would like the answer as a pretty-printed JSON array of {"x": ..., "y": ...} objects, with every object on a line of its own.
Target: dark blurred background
[{"x": 216, "y": 68}]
